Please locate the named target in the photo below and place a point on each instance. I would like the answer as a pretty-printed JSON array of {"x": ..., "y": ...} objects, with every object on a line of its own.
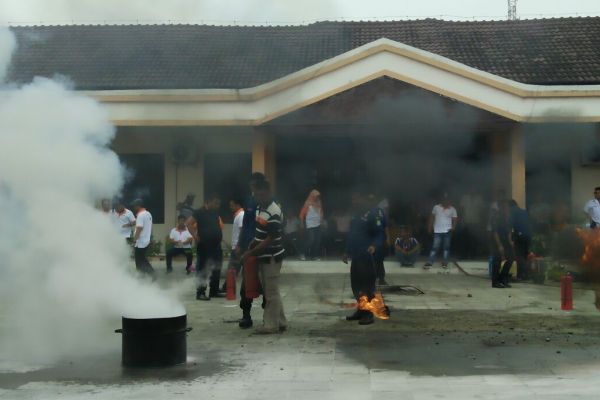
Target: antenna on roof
[{"x": 512, "y": 10}]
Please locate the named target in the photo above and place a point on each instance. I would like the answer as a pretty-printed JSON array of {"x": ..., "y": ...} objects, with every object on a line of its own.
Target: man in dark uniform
[
  {"x": 503, "y": 253},
  {"x": 364, "y": 238},
  {"x": 206, "y": 226},
  {"x": 521, "y": 237},
  {"x": 381, "y": 226},
  {"x": 246, "y": 237}
]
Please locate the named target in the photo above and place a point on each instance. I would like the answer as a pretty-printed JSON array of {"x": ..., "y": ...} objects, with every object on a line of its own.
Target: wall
[
  {"x": 135, "y": 140},
  {"x": 584, "y": 178}
]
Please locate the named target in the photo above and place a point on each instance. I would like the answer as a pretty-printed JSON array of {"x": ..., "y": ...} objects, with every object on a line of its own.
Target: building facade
[{"x": 415, "y": 107}]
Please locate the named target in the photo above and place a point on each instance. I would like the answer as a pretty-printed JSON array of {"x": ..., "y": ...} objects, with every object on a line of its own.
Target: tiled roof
[{"x": 545, "y": 51}]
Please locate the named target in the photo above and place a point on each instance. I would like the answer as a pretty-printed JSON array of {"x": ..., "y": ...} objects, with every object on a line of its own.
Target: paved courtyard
[{"x": 459, "y": 340}]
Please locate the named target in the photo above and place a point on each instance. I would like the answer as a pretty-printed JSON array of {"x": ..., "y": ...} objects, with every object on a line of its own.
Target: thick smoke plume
[{"x": 64, "y": 278}]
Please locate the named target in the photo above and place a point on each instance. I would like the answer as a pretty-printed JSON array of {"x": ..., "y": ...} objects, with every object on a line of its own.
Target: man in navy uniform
[
  {"x": 381, "y": 226},
  {"x": 364, "y": 238},
  {"x": 246, "y": 237}
]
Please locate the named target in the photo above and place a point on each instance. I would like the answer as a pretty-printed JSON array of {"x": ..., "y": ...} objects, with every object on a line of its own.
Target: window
[{"x": 145, "y": 179}]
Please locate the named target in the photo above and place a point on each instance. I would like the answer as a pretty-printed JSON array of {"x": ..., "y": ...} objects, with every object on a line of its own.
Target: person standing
[
  {"x": 267, "y": 246},
  {"x": 364, "y": 238},
  {"x": 207, "y": 228},
  {"x": 124, "y": 220},
  {"x": 246, "y": 236},
  {"x": 592, "y": 209},
  {"x": 521, "y": 237},
  {"x": 106, "y": 206},
  {"x": 142, "y": 237},
  {"x": 502, "y": 247},
  {"x": 181, "y": 240},
  {"x": 382, "y": 228},
  {"x": 442, "y": 222},
  {"x": 186, "y": 207},
  {"x": 238, "y": 222},
  {"x": 311, "y": 217}
]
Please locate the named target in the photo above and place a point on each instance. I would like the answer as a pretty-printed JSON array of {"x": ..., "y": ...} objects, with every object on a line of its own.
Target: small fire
[
  {"x": 591, "y": 258},
  {"x": 591, "y": 241},
  {"x": 376, "y": 306}
]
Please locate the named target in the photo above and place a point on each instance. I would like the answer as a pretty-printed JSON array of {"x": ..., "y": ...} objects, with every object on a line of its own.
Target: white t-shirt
[
  {"x": 144, "y": 221},
  {"x": 126, "y": 217},
  {"x": 442, "y": 221},
  {"x": 238, "y": 222},
  {"x": 592, "y": 209},
  {"x": 313, "y": 218},
  {"x": 181, "y": 236}
]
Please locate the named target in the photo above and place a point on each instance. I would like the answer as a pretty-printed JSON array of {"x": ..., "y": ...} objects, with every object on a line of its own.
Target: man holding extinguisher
[
  {"x": 246, "y": 237},
  {"x": 267, "y": 246}
]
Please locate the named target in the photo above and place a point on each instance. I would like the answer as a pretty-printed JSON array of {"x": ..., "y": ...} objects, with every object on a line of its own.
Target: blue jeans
[
  {"x": 440, "y": 240},
  {"x": 313, "y": 242}
]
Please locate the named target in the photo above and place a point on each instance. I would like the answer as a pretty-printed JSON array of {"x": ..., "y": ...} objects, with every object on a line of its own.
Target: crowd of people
[{"x": 364, "y": 236}]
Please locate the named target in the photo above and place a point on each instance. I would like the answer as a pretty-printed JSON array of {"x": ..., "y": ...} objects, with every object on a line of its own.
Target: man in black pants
[
  {"x": 503, "y": 253},
  {"x": 246, "y": 237},
  {"x": 142, "y": 238},
  {"x": 206, "y": 227},
  {"x": 363, "y": 240},
  {"x": 521, "y": 238}
]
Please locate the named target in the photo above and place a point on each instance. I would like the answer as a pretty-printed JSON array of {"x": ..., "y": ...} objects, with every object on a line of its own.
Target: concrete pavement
[{"x": 461, "y": 339}]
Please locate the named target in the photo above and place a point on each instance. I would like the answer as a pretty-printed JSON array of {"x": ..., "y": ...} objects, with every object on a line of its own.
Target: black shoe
[
  {"x": 367, "y": 319},
  {"x": 245, "y": 323},
  {"x": 355, "y": 317},
  {"x": 202, "y": 296},
  {"x": 216, "y": 294},
  {"x": 169, "y": 270},
  {"x": 498, "y": 285},
  {"x": 383, "y": 282},
  {"x": 506, "y": 284}
]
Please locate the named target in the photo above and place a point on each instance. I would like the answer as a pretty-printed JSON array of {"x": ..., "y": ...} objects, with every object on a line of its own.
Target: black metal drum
[{"x": 154, "y": 342}]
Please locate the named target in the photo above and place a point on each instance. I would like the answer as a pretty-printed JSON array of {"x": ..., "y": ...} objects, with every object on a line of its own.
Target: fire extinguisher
[
  {"x": 251, "y": 282},
  {"x": 566, "y": 290},
  {"x": 230, "y": 283}
]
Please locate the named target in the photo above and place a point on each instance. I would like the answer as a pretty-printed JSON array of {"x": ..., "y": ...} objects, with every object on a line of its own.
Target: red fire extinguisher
[
  {"x": 251, "y": 282},
  {"x": 230, "y": 283},
  {"x": 566, "y": 292}
]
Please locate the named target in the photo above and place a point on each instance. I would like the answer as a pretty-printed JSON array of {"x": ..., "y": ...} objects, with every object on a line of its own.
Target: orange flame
[
  {"x": 591, "y": 252},
  {"x": 376, "y": 306}
]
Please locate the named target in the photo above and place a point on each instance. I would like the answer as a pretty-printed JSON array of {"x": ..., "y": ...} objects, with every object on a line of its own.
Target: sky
[{"x": 274, "y": 11}]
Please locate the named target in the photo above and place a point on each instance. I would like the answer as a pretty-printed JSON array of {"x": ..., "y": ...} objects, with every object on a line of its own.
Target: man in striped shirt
[{"x": 267, "y": 246}]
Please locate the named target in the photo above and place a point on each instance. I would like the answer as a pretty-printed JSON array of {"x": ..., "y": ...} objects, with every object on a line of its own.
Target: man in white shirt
[
  {"x": 124, "y": 220},
  {"x": 442, "y": 222},
  {"x": 592, "y": 209},
  {"x": 142, "y": 237},
  {"x": 181, "y": 243},
  {"x": 235, "y": 206}
]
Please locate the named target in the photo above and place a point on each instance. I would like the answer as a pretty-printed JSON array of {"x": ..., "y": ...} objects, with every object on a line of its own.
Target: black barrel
[{"x": 154, "y": 342}]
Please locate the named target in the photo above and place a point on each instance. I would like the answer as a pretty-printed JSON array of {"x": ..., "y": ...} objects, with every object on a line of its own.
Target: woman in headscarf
[{"x": 311, "y": 216}]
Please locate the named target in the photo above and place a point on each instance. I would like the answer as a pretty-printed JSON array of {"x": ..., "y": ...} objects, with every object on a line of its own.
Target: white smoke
[
  {"x": 64, "y": 277},
  {"x": 7, "y": 46}
]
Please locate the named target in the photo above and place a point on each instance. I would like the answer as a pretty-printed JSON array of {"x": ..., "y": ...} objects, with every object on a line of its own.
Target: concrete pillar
[
  {"x": 517, "y": 165},
  {"x": 508, "y": 163},
  {"x": 263, "y": 154}
]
